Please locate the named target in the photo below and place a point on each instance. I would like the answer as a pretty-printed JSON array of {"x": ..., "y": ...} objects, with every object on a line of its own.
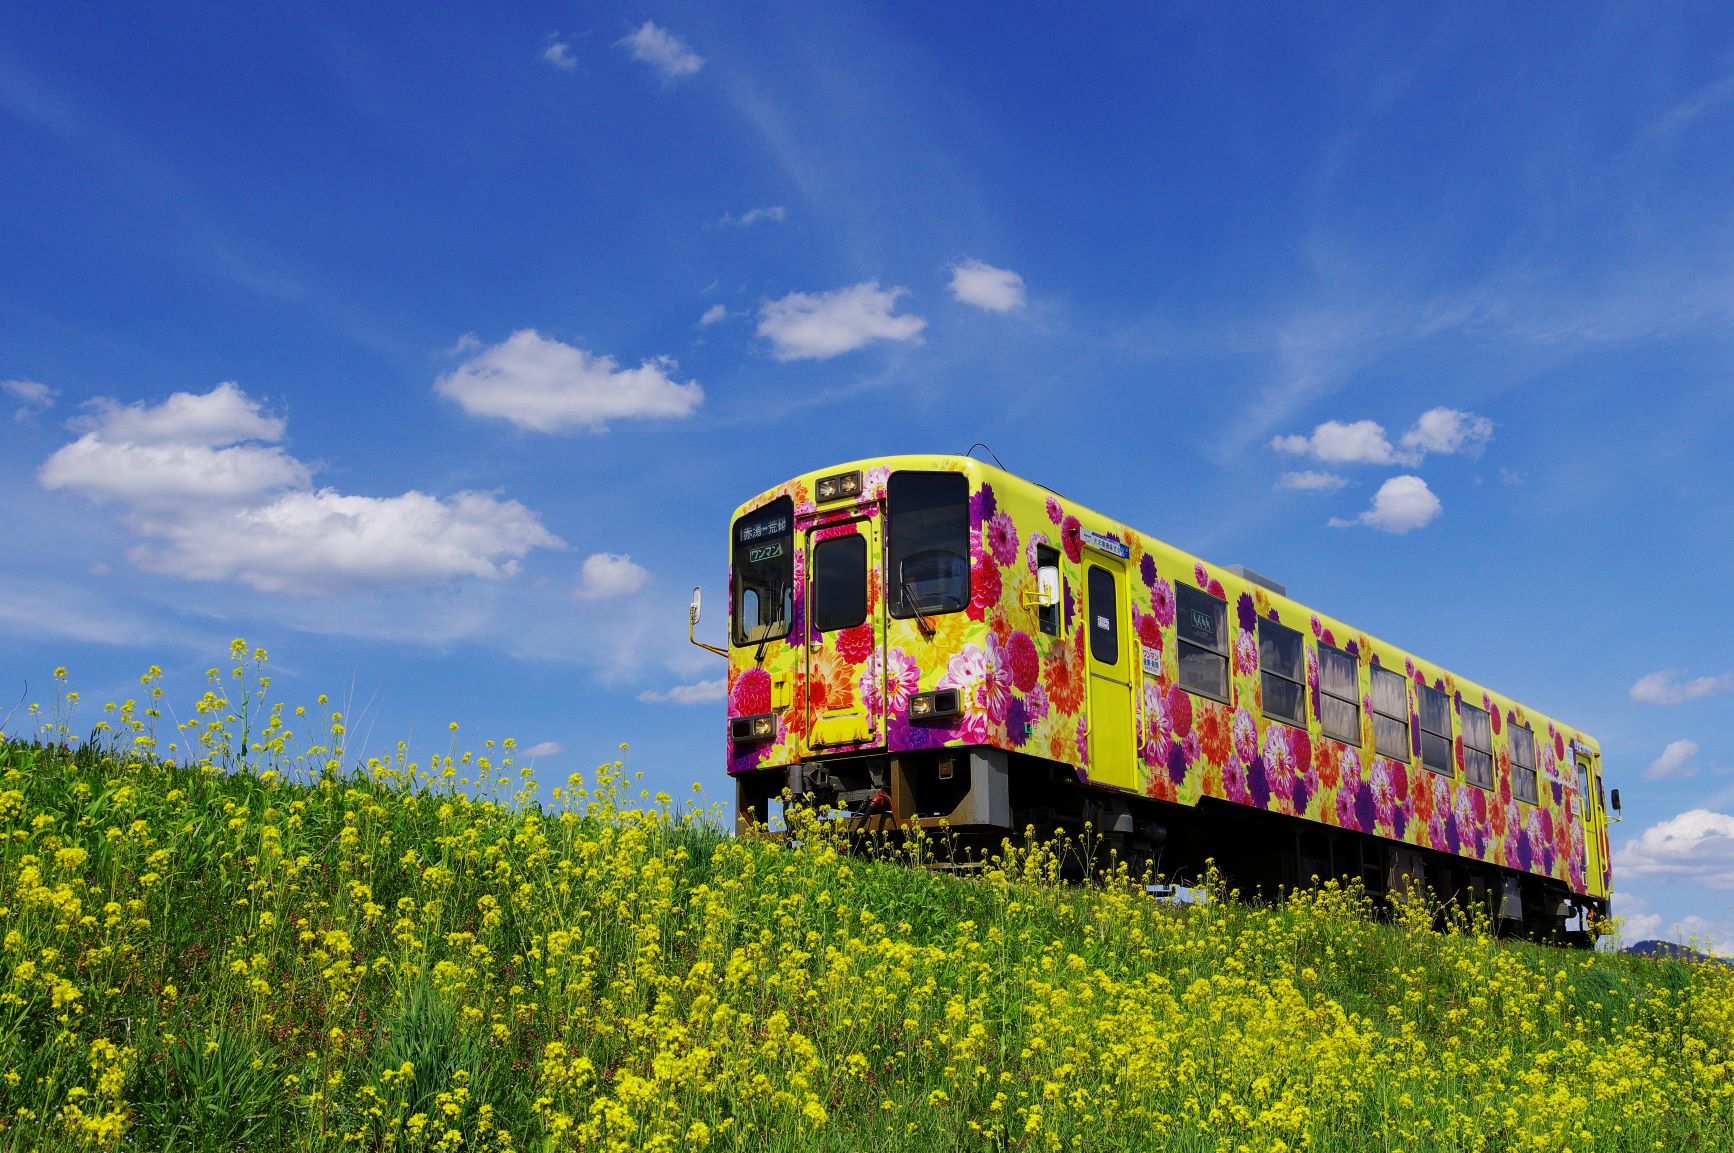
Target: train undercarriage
[{"x": 969, "y": 800}]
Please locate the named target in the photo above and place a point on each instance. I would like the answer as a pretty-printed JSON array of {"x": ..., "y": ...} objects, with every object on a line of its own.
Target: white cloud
[
  {"x": 542, "y": 749},
  {"x": 326, "y": 542},
  {"x": 607, "y": 575},
  {"x": 818, "y": 326},
  {"x": 775, "y": 213},
  {"x": 698, "y": 693},
  {"x": 1402, "y": 504},
  {"x": 1446, "y": 430},
  {"x": 663, "y": 51},
  {"x": 712, "y": 315},
  {"x": 1675, "y": 763},
  {"x": 34, "y": 396},
  {"x": 1664, "y": 687},
  {"x": 209, "y": 504},
  {"x": 1697, "y": 845},
  {"x": 1439, "y": 431},
  {"x": 546, "y": 386},
  {"x": 148, "y": 475},
  {"x": 559, "y": 54},
  {"x": 987, "y": 287},
  {"x": 1333, "y": 442},
  {"x": 1311, "y": 481},
  {"x": 191, "y": 448},
  {"x": 224, "y": 415}
]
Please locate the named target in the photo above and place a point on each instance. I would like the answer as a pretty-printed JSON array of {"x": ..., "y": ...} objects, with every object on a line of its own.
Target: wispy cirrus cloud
[
  {"x": 1311, "y": 481},
  {"x": 1670, "y": 687},
  {"x": 543, "y": 385},
  {"x": 1675, "y": 762},
  {"x": 772, "y": 214},
  {"x": 661, "y": 49},
  {"x": 33, "y": 397},
  {"x": 820, "y": 325},
  {"x": 697, "y": 693}
]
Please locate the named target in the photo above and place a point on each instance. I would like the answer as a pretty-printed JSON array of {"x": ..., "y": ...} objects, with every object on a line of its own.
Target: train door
[
  {"x": 845, "y": 636},
  {"x": 1112, "y": 728},
  {"x": 1590, "y": 813}
]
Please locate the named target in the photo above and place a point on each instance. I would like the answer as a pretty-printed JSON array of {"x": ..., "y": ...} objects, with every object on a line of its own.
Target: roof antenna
[{"x": 978, "y": 444}]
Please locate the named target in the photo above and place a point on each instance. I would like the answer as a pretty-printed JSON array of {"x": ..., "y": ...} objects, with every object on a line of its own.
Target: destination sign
[
  {"x": 749, "y": 529},
  {"x": 1112, "y": 545}
]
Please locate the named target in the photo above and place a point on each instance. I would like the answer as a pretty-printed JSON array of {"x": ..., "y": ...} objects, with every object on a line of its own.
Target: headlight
[
  {"x": 933, "y": 706},
  {"x": 837, "y": 487},
  {"x": 746, "y": 730}
]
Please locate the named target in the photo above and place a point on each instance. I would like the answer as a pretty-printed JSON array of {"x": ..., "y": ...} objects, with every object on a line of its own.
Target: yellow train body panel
[{"x": 903, "y": 612}]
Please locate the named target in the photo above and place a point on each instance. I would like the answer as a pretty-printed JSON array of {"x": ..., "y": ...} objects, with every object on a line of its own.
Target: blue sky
[{"x": 430, "y": 349}]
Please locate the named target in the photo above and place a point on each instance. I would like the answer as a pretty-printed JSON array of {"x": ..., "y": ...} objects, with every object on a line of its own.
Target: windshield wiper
[
  {"x": 764, "y": 638},
  {"x": 915, "y": 607}
]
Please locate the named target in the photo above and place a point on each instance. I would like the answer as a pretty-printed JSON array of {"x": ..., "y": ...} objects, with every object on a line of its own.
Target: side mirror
[
  {"x": 1616, "y": 799},
  {"x": 692, "y": 611}
]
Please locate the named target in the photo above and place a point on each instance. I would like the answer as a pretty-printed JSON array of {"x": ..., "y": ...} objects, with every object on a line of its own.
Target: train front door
[
  {"x": 845, "y": 636},
  {"x": 1112, "y": 735}
]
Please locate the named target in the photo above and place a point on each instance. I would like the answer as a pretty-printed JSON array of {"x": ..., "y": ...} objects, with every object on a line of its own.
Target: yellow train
[{"x": 930, "y": 639}]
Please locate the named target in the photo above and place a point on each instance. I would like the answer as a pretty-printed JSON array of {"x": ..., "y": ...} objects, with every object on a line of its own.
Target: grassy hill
[{"x": 273, "y": 949}]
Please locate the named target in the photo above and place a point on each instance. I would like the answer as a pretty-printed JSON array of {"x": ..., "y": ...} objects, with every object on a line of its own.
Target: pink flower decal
[
  {"x": 1072, "y": 538},
  {"x": 1162, "y": 602},
  {"x": 1054, "y": 513},
  {"x": 1026, "y": 665},
  {"x": 999, "y": 536}
]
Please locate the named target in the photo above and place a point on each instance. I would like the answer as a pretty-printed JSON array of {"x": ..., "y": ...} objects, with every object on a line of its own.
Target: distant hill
[{"x": 1673, "y": 951}]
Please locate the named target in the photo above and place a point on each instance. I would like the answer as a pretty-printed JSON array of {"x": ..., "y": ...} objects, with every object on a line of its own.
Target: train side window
[
  {"x": 1282, "y": 669},
  {"x": 1048, "y": 584},
  {"x": 1582, "y": 791},
  {"x": 1339, "y": 695},
  {"x": 840, "y": 582},
  {"x": 1201, "y": 625},
  {"x": 1522, "y": 763},
  {"x": 1477, "y": 746},
  {"x": 1435, "y": 729},
  {"x": 1390, "y": 714}
]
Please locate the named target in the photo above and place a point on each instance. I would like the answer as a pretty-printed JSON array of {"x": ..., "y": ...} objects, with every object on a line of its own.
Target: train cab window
[
  {"x": 1048, "y": 586},
  {"x": 762, "y": 557},
  {"x": 1390, "y": 714},
  {"x": 839, "y": 583},
  {"x": 1201, "y": 624},
  {"x": 1282, "y": 672},
  {"x": 927, "y": 525},
  {"x": 1339, "y": 695},
  {"x": 1522, "y": 763},
  {"x": 1435, "y": 729},
  {"x": 1477, "y": 746}
]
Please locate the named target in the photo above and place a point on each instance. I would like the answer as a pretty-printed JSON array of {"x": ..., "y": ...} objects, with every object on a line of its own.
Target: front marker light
[
  {"x": 748, "y": 730},
  {"x": 837, "y": 486},
  {"x": 936, "y": 705}
]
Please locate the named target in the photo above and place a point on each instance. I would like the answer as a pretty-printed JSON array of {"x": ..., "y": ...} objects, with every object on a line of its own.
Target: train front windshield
[
  {"x": 764, "y": 572},
  {"x": 927, "y": 519}
]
